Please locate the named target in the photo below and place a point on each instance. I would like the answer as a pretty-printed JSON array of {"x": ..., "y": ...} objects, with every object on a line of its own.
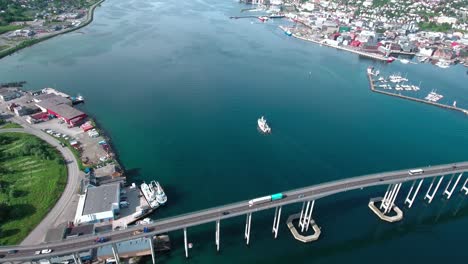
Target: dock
[
  {"x": 372, "y": 87},
  {"x": 136, "y": 201}
]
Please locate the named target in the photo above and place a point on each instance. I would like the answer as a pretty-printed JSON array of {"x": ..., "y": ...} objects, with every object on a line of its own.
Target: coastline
[
  {"x": 361, "y": 53},
  {"x": 30, "y": 42}
]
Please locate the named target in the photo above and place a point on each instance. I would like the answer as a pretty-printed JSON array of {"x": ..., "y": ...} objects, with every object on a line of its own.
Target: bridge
[{"x": 307, "y": 196}]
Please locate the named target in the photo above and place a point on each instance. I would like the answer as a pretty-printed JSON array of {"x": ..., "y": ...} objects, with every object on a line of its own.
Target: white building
[
  {"x": 98, "y": 204},
  {"x": 444, "y": 19}
]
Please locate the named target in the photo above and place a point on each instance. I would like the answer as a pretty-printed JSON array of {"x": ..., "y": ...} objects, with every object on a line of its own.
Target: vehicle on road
[
  {"x": 2, "y": 256},
  {"x": 226, "y": 213},
  {"x": 415, "y": 171},
  {"x": 12, "y": 251},
  {"x": 266, "y": 199},
  {"x": 100, "y": 239},
  {"x": 44, "y": 251}
]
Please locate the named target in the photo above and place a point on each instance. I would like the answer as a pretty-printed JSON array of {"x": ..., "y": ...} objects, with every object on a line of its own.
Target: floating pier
[{"x": 372, "y": 87}]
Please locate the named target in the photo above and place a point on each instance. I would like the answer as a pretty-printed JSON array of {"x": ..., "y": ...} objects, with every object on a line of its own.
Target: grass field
[
  {"x": 32, "y": 178},
  {"x": 4, "y": 29},
  {"x": 10, "y": 125}
]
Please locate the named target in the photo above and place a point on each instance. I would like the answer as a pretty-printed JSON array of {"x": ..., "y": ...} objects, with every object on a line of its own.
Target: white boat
[
  {"x": 443, "y": 64},
  {"x": 262, "y": 124},
  {"x": 404, "y": 61},
  {"x": 161, "y": 197},
  {"x": 150, "y": 194}
]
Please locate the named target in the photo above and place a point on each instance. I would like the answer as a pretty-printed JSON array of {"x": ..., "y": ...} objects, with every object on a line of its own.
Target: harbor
[{"x": 371, "y": 73}]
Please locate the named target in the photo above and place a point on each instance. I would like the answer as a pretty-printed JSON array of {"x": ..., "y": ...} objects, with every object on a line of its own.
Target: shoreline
[
  {"x": 30, "y": 42},
  {"x": 323, "y": 43}
]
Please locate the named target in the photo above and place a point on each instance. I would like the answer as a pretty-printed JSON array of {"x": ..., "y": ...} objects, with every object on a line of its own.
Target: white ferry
[
  {"x": 262, "y": 124},
  {"x": 150, "y": 194},
  {"x": 161, "y": 197}
]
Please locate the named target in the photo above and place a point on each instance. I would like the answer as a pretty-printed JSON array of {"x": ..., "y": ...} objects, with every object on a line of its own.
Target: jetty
[{"x": 373, "y": 89}]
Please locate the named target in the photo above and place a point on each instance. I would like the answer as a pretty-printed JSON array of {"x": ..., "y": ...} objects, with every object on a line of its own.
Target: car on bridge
[
  {"x": 100, "y": 239},
  {"x": 44, "y": 251}
]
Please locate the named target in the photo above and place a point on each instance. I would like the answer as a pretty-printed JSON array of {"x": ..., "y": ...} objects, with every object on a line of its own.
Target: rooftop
[{"x": 100, "y": 199}]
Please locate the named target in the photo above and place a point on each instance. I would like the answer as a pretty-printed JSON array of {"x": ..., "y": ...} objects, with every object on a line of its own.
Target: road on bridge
[{"x": 232, "y": 210}]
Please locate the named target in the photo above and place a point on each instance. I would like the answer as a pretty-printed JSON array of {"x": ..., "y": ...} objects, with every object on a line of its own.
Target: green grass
[
  {"x": 10, "y": 125},
  {"x": 4, "y": 29},
  {"x": 33, "y": 175},
  {"x": 2, "y": 47}
]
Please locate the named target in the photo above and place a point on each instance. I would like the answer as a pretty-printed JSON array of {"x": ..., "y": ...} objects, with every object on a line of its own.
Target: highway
[{"x": 236, "y": 209}]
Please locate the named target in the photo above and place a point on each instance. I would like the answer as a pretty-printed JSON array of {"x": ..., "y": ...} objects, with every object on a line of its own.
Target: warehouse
[
  {"x": 98, "y": 204},
  {"x": 61, "y": 108}
]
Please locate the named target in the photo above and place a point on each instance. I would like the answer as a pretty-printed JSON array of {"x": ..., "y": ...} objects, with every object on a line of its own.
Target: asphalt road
[
  {"x": 73, "y": 180},
  {"x": 236, "y": 209}
]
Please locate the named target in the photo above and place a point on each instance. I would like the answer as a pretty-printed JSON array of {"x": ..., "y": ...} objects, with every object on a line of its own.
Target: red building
[{"x": 61, "y": 108}]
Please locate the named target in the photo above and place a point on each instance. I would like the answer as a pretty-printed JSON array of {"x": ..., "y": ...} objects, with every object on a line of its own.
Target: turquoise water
[{"x": 179, "y": 86}]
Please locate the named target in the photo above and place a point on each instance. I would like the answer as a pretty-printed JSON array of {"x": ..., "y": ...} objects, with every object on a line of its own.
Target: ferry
[
  {"x": 150, "y": 194},
  {"x": 262, "y": 124},
  {"x": 161, "y": 197}
]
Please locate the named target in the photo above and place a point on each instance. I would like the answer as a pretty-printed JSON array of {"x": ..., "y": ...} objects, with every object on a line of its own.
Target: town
[
  {"x": 434, "y": 31},
  {"x": 26, "y": 22}
]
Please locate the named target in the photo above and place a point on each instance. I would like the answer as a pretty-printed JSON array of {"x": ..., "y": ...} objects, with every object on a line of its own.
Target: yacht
[
  {"x": 262, "y": 124},
  {"x": 161, "y": 197}
]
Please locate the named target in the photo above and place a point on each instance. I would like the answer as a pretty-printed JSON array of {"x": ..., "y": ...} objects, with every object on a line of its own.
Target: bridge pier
[
  {"x": 217, "y": 234},
  {"x": 116, "y": 253},
  {"x": 185, "y": 242},
  {"x": 248, "y": 221},
  {"x": 306, "y": 216},
  {"x": 153, "y": 254},
  {"x": 276, "y": 221},
  {"x": 388, "y": 204},
  {"x": 465, "y": 187},
  {"x": 409, "y": 200},
  {"x": 76, "y": 258},
  {"x": 431, "y": 196},
  {"x": 446, "y": 191},
  {"x": 305, "y": 220}
]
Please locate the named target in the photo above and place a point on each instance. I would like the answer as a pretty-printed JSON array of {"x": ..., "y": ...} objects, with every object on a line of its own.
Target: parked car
[{"x": 12, "y": 251}]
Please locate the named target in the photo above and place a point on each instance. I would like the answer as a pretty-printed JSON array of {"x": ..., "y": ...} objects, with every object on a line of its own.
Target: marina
[{"x": 433, "y": 101}]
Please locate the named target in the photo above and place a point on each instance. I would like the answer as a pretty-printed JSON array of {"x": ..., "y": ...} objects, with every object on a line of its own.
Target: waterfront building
[{"x": 98, "y": 204}]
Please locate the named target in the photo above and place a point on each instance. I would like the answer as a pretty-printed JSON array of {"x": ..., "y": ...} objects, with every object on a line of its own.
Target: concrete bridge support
[
  {"x": 185, "y": 242},
  {"x": 76, "y": 258},
  {"x": 306, "y": 216},
  {"x": 429, "y": 196},
  {"x": 248, "y": 221},
  {"x": 116, "y": 253},
  {"x": 450, "y": 192},
  {"x": 409, "y": 200},
  {"x": 276, "y": 221},
  {"x": 387, "y": 204},
  {"x": 217, "y": 234},
  {"x": 464, "y": 188},
  {"x": 153, "y": 254}
]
